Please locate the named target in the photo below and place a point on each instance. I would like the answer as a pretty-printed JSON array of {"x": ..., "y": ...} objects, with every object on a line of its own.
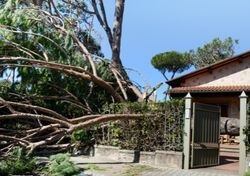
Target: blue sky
[{"x": 151, "y": 27}]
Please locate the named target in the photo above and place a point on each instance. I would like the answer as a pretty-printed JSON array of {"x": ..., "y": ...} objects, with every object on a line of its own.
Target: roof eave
[{"x": 176, "y": 81}]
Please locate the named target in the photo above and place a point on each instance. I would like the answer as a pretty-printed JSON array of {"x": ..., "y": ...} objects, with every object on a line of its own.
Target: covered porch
[{"x": 232, "y": 104}]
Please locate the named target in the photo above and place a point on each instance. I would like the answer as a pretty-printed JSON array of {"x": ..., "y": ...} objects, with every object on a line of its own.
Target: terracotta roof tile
[{"x": 205, "y": 89}]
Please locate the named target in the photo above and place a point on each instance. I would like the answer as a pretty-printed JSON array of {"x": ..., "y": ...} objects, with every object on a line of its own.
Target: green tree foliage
[
  {"x": 60, "y": 165},
  {"x": 41, "y": 40},
  {"x": 80, "y": 136},
  {"x": 170, "y": 62},
  {"x": 17, "y": 163},
  {"x": 212, "y": 52}
]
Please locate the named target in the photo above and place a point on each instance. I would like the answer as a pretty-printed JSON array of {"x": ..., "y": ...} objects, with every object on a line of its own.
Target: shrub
[
  {"x": 80, "y": 136},
  {"x": 4, "y": 170},
  {"x": 17, "y": 163},
  {"x": 60, "y": 165}
]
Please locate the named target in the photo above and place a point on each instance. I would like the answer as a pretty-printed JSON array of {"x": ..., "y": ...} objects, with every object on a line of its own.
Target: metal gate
[{"x": 205, "y": 135}]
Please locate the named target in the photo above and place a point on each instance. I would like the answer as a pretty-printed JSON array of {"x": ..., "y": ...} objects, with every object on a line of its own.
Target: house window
[{"x": 224, "y": 111}]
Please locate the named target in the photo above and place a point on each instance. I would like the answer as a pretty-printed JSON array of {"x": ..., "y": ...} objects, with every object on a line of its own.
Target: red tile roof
[{"x": 206, "y": 89}]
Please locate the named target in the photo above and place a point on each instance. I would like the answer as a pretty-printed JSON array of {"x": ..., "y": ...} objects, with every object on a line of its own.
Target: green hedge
[
  {"x": 161, "y": 128},
  {"x": 247, "y": 129}
]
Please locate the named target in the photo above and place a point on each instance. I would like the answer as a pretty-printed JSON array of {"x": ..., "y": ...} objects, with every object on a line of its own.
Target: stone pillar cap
[
  {"x": 188, "y": 95},
  {"x": 243, "y": 95}
]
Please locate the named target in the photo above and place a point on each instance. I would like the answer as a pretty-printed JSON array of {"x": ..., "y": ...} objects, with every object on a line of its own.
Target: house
[{"x": 218, "y": 90}]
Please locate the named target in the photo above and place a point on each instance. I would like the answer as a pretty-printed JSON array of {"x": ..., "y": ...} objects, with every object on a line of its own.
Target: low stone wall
[
  {"x": 106, "y": 151},
  {"x": 157, "y": 158},
  {"x": 168, "y": 159},
  {"x": 131, "y": 156},
  {"x": 147, "y": 158}
]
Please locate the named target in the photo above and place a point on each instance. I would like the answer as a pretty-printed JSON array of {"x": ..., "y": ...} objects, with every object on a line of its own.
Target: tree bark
[{"x": 117, "y": 35}]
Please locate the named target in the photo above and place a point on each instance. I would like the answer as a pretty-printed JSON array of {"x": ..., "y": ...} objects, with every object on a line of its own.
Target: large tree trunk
[
  {"x": 117, "y": 34},
  {"x": 114, "y": 35},
  {"x": 230, "y": 126}
]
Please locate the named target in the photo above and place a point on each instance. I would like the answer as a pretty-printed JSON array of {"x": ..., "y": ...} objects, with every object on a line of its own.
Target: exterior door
[{"x": 205, "y": 135}]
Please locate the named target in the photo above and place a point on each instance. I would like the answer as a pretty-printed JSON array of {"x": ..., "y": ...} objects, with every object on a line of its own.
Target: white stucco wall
[{"x": 236, "y": 73}]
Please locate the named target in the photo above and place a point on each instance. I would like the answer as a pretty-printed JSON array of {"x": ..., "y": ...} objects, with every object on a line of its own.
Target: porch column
[
  {"x": 187, "y": 125},
  {"x": 243, "y": 123}
]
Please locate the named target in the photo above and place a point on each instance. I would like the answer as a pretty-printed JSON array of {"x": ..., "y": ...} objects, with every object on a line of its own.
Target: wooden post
[
  {"x": 187, "y": 126},
  {"x": 243, "y": 123}
]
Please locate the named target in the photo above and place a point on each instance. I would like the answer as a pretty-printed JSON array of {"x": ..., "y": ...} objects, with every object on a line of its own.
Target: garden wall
[
  {"x": 157, "y": 158},
  {"x": 156, "y": 139}
]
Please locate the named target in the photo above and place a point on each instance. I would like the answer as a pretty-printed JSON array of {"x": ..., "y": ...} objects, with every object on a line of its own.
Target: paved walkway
[
  {"x": 107, "y": 167},
  {"x": 178, "y": 172}
]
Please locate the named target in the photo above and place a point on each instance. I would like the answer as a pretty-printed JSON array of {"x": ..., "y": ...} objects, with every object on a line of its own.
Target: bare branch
[
  {"x": 84, "y": 118},
  {"x": 34, "y": 116},
  {"x": 103, "y": 20},
  {"x": 9, "y": 138},
  {"x": 152, "y": 91},
  {"x": 115, "y": 73},
  {"x": 23, "y": 49},
  {"x": 49, "y": 140},
  {"x": 32, "y": 107},
  {"x": 41, "y": 129},
  {"x": 104, "y": 118},
  {"x": 67, "y": 69},
  {"x": 79, "y": 7}
]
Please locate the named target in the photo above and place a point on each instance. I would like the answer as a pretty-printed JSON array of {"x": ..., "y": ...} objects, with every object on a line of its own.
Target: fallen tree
[
  {"x": 56, "y": 79},
  {"x": 51, "y": 129}
]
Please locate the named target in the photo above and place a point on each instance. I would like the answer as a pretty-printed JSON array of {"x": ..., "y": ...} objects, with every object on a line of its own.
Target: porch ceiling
[{"x": 209, "y": 89}]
